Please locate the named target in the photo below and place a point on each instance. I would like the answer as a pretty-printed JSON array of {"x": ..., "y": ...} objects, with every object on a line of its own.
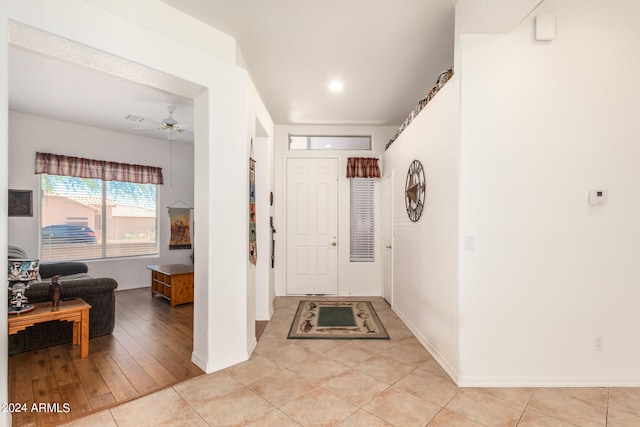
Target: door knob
[
  {"x": 388, "y": 247},
  {"x": 333, "y": 244}
]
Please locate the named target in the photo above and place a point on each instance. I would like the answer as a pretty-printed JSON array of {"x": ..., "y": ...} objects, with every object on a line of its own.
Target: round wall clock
[{"x": 415, "y": 189}]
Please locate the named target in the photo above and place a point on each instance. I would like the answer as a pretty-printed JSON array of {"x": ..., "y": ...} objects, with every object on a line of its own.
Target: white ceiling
[
  {"x": 387, "y": 53},
  {"x": 386, "y": 56},
  {"x": 44, "y": 86}
]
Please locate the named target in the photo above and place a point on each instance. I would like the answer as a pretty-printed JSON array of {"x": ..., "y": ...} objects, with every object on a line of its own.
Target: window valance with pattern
[
  {"x": 362, "y": 167},
  {"x": 56, "y": 164}
]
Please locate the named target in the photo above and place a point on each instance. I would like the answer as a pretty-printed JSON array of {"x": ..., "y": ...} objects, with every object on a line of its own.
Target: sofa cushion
[{"x": 63, "y": 268}]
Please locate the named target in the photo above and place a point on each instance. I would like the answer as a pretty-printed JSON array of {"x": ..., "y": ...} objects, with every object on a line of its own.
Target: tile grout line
[
  {"x": 526, "y": 407},
  {"x": 532, "y": 411},
  {"x": 190, "y": 405},
  {"x": 113, "y": 418},
  {"x": 434, "y": 417},
  {"x": 351, "y": 368},
  {"x": 606, "y": 408}
]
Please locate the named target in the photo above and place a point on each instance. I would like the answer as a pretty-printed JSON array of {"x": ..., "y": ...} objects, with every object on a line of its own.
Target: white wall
[
  {"x": 259, "y": 286},
  {"x": 354, "y": 278},
  {"x": 542, "y": 123},
  {"x": 29, "y": 134},
  {"x": 425, "y": 253},
  {"x": 177, "y": 25}
]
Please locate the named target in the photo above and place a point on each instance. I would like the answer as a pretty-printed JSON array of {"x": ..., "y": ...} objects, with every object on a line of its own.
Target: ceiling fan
[{"x": 169, "y": 125}]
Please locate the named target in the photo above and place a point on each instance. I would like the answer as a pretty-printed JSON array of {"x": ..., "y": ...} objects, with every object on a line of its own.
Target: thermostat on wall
[{"x": 597, "y": 196}]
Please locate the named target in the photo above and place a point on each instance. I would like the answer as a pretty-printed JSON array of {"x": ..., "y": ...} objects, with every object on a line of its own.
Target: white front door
[
  {"x": 312, "y": 226},
  {"x": 387, "y": 238}
]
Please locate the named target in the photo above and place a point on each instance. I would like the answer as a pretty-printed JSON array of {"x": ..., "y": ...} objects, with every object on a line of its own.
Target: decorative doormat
[{"x": 336, "y": 320}]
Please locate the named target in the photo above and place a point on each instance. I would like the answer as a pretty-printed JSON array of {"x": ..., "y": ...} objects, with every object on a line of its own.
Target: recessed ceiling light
[{"x": 335, "y": 86}]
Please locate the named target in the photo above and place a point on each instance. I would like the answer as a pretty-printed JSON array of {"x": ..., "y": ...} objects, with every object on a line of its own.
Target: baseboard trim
[
  {"x": 252, "y": 346},
  {"x": 489, "y": 381},
  {"x": 515, "y": 381},
  {"x": 210, "y": 368},
  {"x": 199, "y": 361},
  {"x": 450, "y": 370}
]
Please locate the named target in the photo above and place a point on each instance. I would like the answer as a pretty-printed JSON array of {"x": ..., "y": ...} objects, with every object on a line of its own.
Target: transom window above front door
[{"x": 317, "y": 142}]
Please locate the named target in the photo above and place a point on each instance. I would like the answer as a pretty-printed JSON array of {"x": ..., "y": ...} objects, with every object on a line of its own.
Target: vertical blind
[
  {"x": 362, "y": 220},
  {"x": 361, "y": 171}
]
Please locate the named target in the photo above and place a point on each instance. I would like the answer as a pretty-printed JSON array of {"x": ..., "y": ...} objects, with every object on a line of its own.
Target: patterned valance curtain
[
  {"x": 362, "y": 167},
  {"x": 56, "y": 164}
]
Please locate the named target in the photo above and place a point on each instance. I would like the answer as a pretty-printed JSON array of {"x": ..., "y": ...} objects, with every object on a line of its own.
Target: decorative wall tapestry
[
  {"x": 253, "y": 250},
  {"x": 180, "y": 219}
]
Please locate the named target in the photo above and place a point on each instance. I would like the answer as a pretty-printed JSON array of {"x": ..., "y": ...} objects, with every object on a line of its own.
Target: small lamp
[{"x": 20, "y": 273}]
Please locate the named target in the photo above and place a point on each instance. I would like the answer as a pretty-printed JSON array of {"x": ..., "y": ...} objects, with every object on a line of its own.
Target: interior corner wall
[
  {"x": 354, "y": 278},
  {"x": 29, "y": 134},
  {"x": 425, "y": 253},
  {"x": 261, "y": 131},
  {"x": 263, "y": 295},
  {"x": 542, "y": 124}
]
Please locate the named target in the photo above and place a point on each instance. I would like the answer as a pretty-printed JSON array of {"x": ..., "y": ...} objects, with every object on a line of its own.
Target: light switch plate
[{"x": 469, "y": 243}]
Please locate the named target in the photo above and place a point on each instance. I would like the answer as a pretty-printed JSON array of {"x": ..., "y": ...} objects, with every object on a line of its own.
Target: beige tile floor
[{"x": 360, "y": 383}]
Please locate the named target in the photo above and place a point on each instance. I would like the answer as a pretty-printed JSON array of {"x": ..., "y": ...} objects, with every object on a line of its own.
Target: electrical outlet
[{"x": 598, "y": 343}]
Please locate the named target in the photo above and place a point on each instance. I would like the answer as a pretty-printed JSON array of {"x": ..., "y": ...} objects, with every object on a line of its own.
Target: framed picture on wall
[{"x": 20, "y": 203}]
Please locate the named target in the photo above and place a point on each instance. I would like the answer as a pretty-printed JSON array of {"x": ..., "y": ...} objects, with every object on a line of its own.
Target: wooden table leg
[
  {"x": 75, "y": 339},
  {"x": 84, "y": 334}
]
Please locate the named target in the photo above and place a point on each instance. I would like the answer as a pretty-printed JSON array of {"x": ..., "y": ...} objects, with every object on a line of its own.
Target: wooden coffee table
[
  {"x": 173, "y": 282},
  {"x": 76, "y": 311}
]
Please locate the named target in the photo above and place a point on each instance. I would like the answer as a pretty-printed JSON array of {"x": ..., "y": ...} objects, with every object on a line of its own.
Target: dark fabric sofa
[
  {"x": 63, "y": 268},
  {"x": 76, "y": 283}
]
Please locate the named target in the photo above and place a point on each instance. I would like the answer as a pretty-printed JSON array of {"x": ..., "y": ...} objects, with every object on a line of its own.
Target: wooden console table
[
  {"x": 173, "y": 282},
  {"x": 76, "y": 311}
]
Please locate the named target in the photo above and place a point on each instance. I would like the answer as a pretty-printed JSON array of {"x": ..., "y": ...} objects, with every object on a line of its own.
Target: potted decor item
[{"x": 55, "y": 291}]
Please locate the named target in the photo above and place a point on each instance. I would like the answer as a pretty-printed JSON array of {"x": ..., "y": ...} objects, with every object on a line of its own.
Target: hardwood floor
[{"x": 150, "y": 349}]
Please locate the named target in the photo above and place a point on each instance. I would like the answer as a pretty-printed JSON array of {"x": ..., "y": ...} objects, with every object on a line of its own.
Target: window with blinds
[
  {"x": 85, "y": 218},
  {"x": 362, "y": 220}
]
